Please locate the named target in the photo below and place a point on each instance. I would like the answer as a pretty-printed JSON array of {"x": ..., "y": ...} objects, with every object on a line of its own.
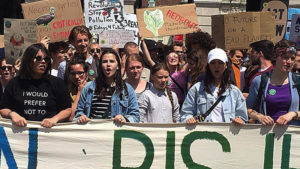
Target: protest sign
[
  {"x": 104, "y": 15},
  {"x": 295, "y": 29},
  {"x": 1, "y": 41},
  {"x": 18, "y": 35},
  {"x": 110, "y": 38},
  {"x": 167, "y": 20},
  {"x": 2, "y": 46},
  {"x": 280, "y": 8},
  {"x": 238, "y": 30},
  {"x": 131, "y": 24},
  {"x": 102, "y": 144},
  {"x": 55, "y": 18},
  {"x": 160, "y": 3},
  {"x": 291, "y": 12}
]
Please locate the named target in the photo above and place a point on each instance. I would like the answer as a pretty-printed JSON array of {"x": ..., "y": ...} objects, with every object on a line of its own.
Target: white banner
[{"x": 102, "y": 144}]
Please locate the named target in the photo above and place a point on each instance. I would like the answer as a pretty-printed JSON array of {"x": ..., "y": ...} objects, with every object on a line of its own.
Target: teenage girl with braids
[
  {"x": 202, "y": 96},
  {"x": 108, "y": 96},
  {"x": 159, "y": 104}
]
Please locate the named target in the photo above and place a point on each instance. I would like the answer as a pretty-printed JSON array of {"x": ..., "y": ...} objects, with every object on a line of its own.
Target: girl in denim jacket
[
  {"x": 108, "y": 96},
  {"x": 201, "y": 97}
]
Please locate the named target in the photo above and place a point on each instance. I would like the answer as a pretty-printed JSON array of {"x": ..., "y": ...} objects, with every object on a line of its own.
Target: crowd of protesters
[{"x": 189, "y": 82}]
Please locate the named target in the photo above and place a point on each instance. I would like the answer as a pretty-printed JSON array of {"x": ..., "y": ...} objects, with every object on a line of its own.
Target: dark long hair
[
  {"x": 25, "y": 71},
  {"x": 101, "y": 85},
  {"x": 225, "y": 82}
]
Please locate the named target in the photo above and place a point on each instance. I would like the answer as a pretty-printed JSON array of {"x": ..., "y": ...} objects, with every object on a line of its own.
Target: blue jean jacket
[
  {"x": 198, "y": 101},
  {"x": 253, "y": 92},
  {"x": 128, "y": 107}
]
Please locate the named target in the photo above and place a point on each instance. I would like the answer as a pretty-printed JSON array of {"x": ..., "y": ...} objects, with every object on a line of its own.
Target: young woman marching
[{"x": 159, "y": 104}]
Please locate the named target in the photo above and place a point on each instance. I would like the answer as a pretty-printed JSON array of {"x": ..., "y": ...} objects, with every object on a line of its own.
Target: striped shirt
[{"x": 100, "y": 108}]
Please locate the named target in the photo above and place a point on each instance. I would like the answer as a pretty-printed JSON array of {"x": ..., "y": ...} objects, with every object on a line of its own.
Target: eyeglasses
[
  {"x": 40, "y": 58},
  {"x": 6, "y": 67},
  {"x": 80, "y": 74},
  {"x": 95, "y": 50}
]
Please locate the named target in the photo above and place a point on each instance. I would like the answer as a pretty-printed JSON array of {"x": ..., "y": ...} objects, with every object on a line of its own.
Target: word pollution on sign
[
  {"x": 239, "y": 30},
  {"x": 110, "y": 38},
  {"x": 103, "y": 15},
  {"x": 167, "y": 20},
  {"x": 55, "y": 18},
  {"x": 280, "y": 8},
  {"x": 18, "y": 35},
  {"x": 295, "y": 29}
]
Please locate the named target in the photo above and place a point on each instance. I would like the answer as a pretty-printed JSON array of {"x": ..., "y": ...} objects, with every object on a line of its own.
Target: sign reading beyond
[
  {"x": 55, "y": 18},
  {"x": 104, "y": 15},
  {"x": 18, "y": 35},
  {"x": 280, "y": 8},
  {"x": 295, "y": 29},
  {"x": 238, "y": 30},
  {"x": 111, "y": 37},
  {"x": 167, "y": 20}
]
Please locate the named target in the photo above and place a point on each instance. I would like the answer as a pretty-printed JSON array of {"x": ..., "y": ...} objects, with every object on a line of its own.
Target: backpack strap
[{"x": 261, "y": 90}]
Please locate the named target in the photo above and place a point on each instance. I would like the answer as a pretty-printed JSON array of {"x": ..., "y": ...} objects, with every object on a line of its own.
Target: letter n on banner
[{"x": 5, "y": 148}]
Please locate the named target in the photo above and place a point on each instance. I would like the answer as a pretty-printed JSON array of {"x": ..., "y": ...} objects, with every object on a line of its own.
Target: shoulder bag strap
[
  {"x": 213, "y": 106},
  {"x": 181, "y": 89}
]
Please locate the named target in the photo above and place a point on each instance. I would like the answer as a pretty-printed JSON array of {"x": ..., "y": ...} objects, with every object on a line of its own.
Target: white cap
[{"x": 217, "y": 53}]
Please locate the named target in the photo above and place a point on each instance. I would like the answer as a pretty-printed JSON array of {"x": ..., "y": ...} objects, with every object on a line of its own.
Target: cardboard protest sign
[
  {"x": 55, "y": 18},
  {"x": 131, "y": 24},
  {"x": 238, "y": 30},
  {"x": 2, "y": 46},
  {"x": 18, "y": 35},
  {"x": 104, "y": 15},
  {"x": 161, "y": 3},
  {"x": 167, "y": 20},
  {"x": 295, "y": 29},
  {"x": 1, "y": 41},
  {"x": 111, "y": 37},
  {"x": 280, "y": 8}
]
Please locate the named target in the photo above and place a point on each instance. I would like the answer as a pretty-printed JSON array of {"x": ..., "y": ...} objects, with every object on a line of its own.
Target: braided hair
[{"x": 163, "y": 66}]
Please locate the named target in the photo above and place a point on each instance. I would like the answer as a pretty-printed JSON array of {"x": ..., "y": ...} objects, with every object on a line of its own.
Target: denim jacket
[
  {"x": 253, "y": 92},
  {"x": 128, "y": 106},
  {"x": 198, "y": 101}
]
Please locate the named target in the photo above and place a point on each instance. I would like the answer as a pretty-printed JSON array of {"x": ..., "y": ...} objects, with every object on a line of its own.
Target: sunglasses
[
  {"x": 95, "y": 50},
  {"x": 80, "y": 74},
  {"x": 40, "y": 58},
  {"x": 6, "y": 67}
]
